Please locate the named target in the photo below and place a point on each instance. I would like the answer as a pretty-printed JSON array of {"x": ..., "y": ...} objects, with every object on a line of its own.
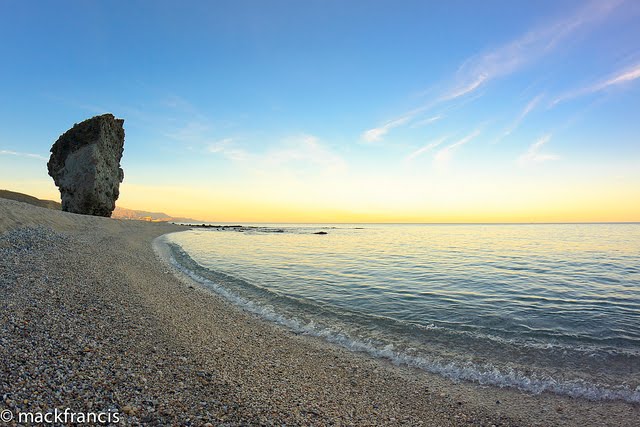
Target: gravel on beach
[{"x": 92, "y": 320}]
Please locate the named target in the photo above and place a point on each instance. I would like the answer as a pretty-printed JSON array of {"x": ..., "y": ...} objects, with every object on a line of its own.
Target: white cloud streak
[
  {"x": 533, "y": 154},
  {"x": 443, "y": 157},
  {"x": 220, "y": 146},
  {"x": 481, "y": 69},
  {"x": 376, "y": 134},
  {"x": 624, "y": 77},
  {"x": 196, "y": 135},
  {"x": 428, "y": 121},
  {"x": 466, "y": 87},
  {"x": 531, "y": 105},
  {"x": 425, "y": 149},
  {"x": 19, "y": 154},
  {"x": 294, "y": 154},
  {"x": 192, "y": 132},
  {"x": 305, "y": 150},
  {"x": 617, "y": 79},
  {"x": 228, "y": 148}
]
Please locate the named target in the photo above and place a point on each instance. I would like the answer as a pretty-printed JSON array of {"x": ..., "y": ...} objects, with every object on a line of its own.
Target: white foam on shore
[{"x": 485, "y": 375}]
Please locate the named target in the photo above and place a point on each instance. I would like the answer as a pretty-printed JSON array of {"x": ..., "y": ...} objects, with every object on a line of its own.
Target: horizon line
[{"x": 413, "y": 223}]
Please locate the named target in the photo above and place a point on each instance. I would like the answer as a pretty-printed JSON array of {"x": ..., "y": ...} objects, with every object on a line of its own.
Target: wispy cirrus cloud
[
  {"x": 443, "y": 157},
  {"x": 376, "y": 134},
  {"x": 531, "y": 105},
  {"x": 20, "y": 154},
  {"x": 534, "y": 154},
  {"x": 293, "y": 154},
  {"x": 229, "y": 149},
  {"x": 428, "y": 120},
  {"x": 199, "y": 135},
  {"x": 626, "y": 76},
  {"x": 220, "y": 146},
  {"x": 289, "y": 155},
  {"x": 466, "y": 87},
  {"x": 618, "y": 78},
  {"x": 425, "y": 149},
  {"x": 192, "y": 132},
  {"x": 477, "y": 71},
  {"x": 302, "y": 151}
]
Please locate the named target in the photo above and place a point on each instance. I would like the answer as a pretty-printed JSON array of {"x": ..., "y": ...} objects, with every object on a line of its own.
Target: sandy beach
[{"x": 92, "y": 319}]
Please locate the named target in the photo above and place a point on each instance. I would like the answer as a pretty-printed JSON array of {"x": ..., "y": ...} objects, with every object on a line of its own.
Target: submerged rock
[{"x": 85, "y": 165}]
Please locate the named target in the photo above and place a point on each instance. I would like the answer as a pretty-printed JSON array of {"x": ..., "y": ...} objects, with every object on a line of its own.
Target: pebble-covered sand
[{"x": 92, "y": 320}]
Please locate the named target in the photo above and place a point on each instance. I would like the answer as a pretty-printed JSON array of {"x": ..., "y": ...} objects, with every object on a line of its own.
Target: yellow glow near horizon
[
  {"x": 558, "y": 205},
  {"x": 268, "y": 203}
]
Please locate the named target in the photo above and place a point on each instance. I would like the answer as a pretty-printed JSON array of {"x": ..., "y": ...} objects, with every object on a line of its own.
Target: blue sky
[{"x": 336, "y": 110}]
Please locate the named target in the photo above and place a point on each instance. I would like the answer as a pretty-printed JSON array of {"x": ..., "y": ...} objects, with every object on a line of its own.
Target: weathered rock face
[{"x": 85, "y": 165}]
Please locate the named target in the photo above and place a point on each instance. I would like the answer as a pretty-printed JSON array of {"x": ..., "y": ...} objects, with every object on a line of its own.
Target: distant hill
[
  {"x": 118, "y": 213},
  {"x": 124, "y": 213},
  {"x": 25, "y": 198}
]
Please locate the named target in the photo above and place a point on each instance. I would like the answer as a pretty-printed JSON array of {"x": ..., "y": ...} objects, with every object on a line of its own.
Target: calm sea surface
[{"x": 537, "y": 307}]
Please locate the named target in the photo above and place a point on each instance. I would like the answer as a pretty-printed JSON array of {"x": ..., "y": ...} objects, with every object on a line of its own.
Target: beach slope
[{"x": 92, "y": 320}]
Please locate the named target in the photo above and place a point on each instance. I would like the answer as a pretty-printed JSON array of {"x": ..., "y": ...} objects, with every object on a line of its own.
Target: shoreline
[{"x": 88, "y": 295}]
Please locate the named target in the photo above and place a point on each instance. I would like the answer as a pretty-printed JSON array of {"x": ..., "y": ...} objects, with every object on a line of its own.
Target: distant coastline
[{"x": 118, "y": 213}]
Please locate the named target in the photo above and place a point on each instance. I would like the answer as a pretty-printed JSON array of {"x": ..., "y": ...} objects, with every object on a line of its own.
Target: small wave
[
  {"x": 532, "y": 343},
  {"x": 485, "y": 375}
]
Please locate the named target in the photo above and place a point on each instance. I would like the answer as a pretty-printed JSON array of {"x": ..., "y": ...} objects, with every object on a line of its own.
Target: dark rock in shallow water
[
  {"x": 321, "y": 232},
  {"x": 85, "y": 165}
]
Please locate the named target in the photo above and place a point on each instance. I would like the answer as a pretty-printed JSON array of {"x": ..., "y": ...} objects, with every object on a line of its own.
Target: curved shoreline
[
  {"x": 89, "y": 299},
  {"x": 194, "y": 275}
]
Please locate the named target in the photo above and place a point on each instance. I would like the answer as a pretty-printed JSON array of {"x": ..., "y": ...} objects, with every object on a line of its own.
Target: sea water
[{"x": 545, "y": 307}]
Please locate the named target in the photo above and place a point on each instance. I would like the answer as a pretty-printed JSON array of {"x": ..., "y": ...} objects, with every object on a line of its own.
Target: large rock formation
[{"x": 85, "y": 165}]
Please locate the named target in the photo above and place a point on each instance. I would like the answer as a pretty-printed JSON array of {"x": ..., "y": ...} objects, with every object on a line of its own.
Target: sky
[{"x": 336, "y": 111}]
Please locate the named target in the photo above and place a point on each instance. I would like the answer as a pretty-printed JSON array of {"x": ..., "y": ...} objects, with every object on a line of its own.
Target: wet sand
[{"x": 92, "y": 319}]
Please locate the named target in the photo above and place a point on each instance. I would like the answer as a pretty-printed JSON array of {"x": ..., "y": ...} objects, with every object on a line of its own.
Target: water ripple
[{"x": 559, "y": 301}]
